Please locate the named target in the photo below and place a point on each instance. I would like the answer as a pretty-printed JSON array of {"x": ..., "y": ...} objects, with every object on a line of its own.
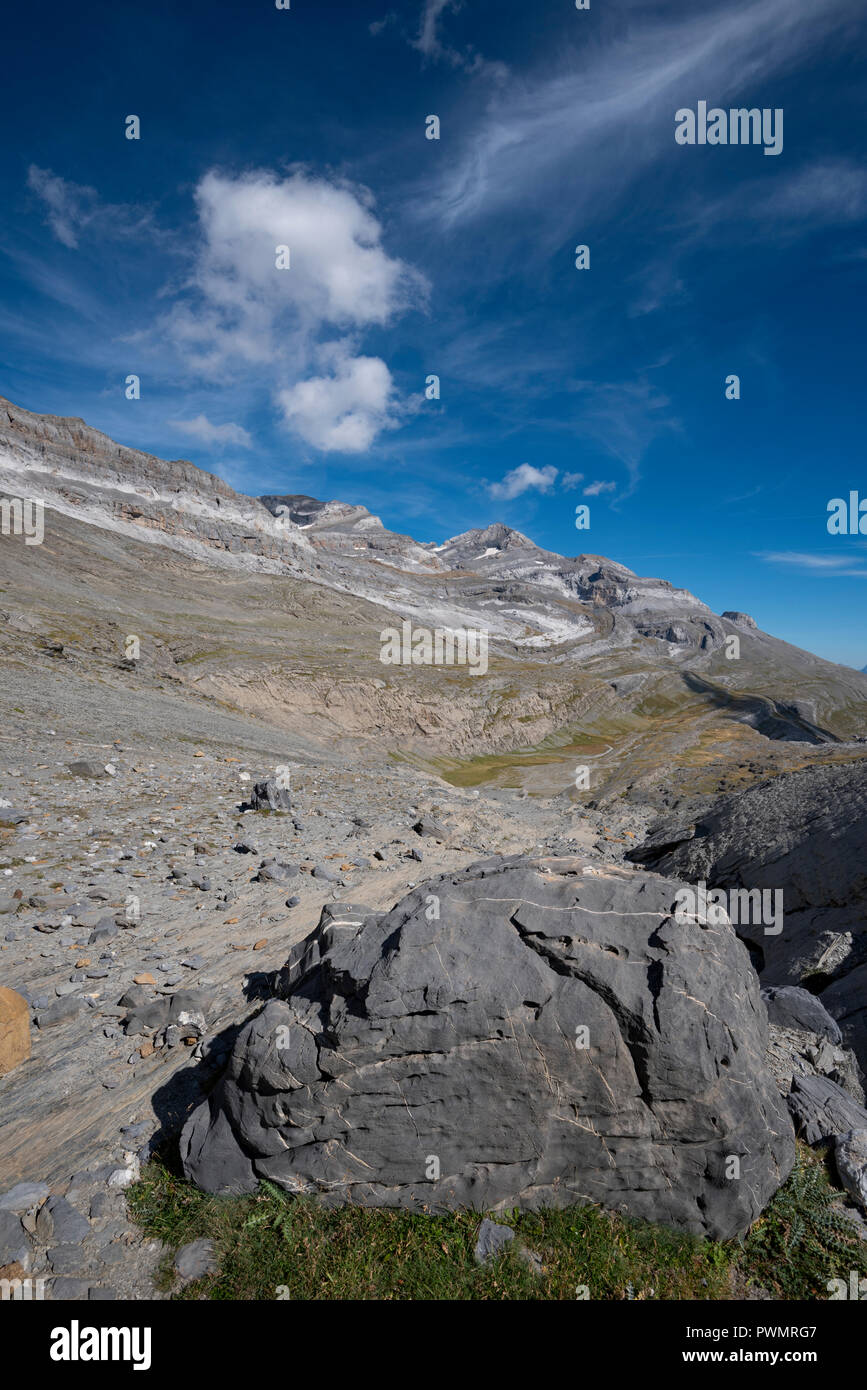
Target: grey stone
[
  {"x": 273, "y": 871},
  {"x": 393, "y": 1038},
  {"x": 60, "y": 1012},
  {"x": 85, "y": 768},
  {"x": 148, "y": 1017},
  {"x": 134, "y": 998},
  {"x": 850, "y": 1155},
  {"x": 69, "y": 1227},
  {"x": 100, "y": 1293},
  {"x": 267, "y": 796},
  {"x": 65, "y": 1259},
  {"x": 427, "y": 826},
  {"x": 492, "y": 1241},
  {"x": 103, "y": 931},
  {"x": 66, "y": 1290},
  {"x": 23, "y": 1197},
  {"x": 792, "y": 1007},
  {"x": 13, "y": 1241},
  {"x": 821, "y": 1109},
  {"x": 195, "y": 1260},
  {"x": 100, "y": 1206},
  {"x": 323, "y": 871}
]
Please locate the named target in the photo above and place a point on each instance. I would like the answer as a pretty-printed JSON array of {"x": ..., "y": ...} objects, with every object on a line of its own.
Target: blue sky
[{"x": 408, "y": 256}]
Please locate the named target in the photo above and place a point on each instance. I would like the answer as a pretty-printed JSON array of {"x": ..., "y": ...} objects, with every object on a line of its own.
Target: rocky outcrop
[
  {"x": 525, "y": 1032},
  {"x": 804, "y": 833},
  {"x": 850, "y": 1155},
  {"x": 821, "y": 1109},
  {"x": 791, "y": 1007}
]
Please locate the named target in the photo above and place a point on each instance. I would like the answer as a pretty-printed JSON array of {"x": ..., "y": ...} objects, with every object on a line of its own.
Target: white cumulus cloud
[
  {"x": 242, "y": 309},
  {"x": 243, "y": 306},
  {"x": 524, "y": 478},
  {"x": 207, "y": 433},
  {"x": 344, "y": 411}
]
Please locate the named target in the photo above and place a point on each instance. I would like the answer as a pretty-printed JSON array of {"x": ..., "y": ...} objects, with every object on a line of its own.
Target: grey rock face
[
  {"x": 791, "y": 1007},
  {"x": 821, "y": 1109},
  {"x": 803, "y": 832},
  {"x": 850, "y": 1155},
  {"x": 742, "y": 619},
  {"x": 436, "y": 1057}
]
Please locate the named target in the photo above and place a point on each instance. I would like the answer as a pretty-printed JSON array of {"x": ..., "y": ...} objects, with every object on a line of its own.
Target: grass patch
[{"x": 270, "y": 1242}]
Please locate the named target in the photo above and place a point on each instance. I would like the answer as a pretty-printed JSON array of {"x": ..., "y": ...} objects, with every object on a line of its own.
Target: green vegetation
[
  {"x": 801, "y": 1241},
  {"x": 271, "y": 1242}
]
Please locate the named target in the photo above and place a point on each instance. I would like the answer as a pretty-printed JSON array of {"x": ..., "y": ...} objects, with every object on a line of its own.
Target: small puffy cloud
[
  {"x": 570, "y": 481},
  {"x": 73, "y": 208},
  {"x": 594, "y": 489},
  {"x": 524, "y": 478},
  {"x": 343, "y": 412},
  {"x": 210, "y": 435}
]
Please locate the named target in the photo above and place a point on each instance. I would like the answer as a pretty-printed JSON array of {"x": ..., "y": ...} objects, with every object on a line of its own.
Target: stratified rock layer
[
  {"x": 525, "y": 1032},
  {"x": 804, "y": 833}
]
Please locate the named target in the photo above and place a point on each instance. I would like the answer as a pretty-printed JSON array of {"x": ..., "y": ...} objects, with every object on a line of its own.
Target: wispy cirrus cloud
[
  {"x": 74, "y": 209},
  {"x": 821, "y": 566},
  {"x": 430, "y": 44},
  {"x": 609, "y": 101},
  {"x": 822, "y": 193}
]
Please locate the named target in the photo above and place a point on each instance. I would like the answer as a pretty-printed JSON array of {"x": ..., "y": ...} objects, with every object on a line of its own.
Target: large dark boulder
[
  {"x": 427, "y": 1057},
  {"x": 805, "y": 833},
  {"x": 791, "y": 1007}
]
